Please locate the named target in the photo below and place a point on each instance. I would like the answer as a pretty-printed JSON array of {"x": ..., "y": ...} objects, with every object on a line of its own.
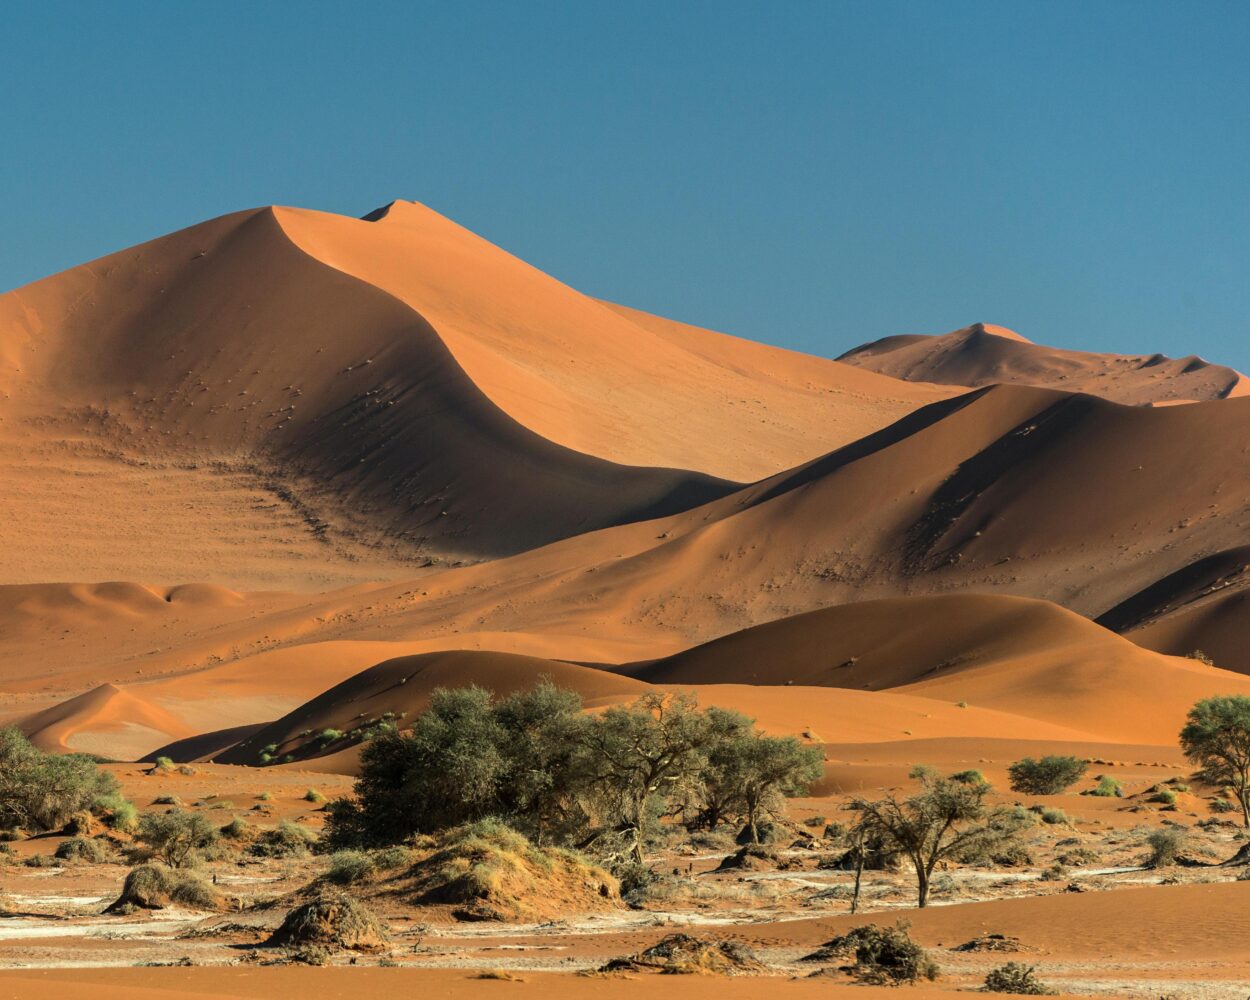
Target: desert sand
[{"x": 286, "y": 473}]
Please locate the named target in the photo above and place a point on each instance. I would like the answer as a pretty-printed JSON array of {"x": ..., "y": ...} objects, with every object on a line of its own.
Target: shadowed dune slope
[
  {"x": 982, "y": 354},
  {"x": 1024, "y": 657},
  {"x": 228, "y": 341}
]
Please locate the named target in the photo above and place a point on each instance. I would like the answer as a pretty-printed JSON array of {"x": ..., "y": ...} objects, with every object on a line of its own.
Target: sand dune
[
  {"x": 337, "y": 400},
  {"x": 983, "y": 354}
]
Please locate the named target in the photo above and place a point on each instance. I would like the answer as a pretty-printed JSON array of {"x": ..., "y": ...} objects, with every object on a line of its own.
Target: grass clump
[
  {"x": 687, "y": 954},
  {"x": 332, "y": 920},
  {"x": 350, "y": 867},
  {"x": 882, "y": 956},
  {"x": 156, "y": 886},
  {"x": 287, "y": 840},
  {"x": 236, "y": 829},
  {"x": 86, "y": 849},
  {"x": 314, "y": 796},
  {"x": 1108, "y": 788},
  {"x": 1165, "y": 848},
  {"x": 488, "y": 871},
  {"x": 1164, "y": 796},
  {"x": 1015, "y": 977}
]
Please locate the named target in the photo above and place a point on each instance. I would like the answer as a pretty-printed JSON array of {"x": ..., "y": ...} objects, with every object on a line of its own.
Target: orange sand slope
[
  {"x": 982, "y": 354},
  {"x": 959, "y": 666},
  {"x": 338, "y": 399}
]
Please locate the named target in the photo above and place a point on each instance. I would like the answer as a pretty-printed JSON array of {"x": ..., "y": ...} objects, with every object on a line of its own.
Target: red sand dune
[{"x": 983, "y": 354}]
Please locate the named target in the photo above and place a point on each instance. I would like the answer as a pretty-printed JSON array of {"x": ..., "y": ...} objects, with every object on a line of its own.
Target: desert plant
[
  {"x": 83, "y": 849},
  {"x": 154, "y": 886},
  {"x": 314, "y": 796},
  {"x": 1164, "y": 796},
  {"x": 176, "y": 837},
  {"x": 40, "y": 791},
  {"x": 331, "y": 920},
  {"x": 1017, "y": 978},
  {"x": 286, "y": 840},
  {"x": 1047, "y": 776},
  {"x": 236, "y": 829},
  {"x": 946, "y": 819},
  {"x": 883, "y": 956},
  {"x": 1107, "y": 788},
  {"x": 1165, "y": 847},
  {"x": 1216, "y": 737},
  {"x": 350, "y": 867}
]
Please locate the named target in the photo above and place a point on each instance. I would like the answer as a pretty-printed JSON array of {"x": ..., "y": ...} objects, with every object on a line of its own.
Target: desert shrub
[
  {"x": 686, "y": 954},
  {"x": 1165, "y": 847},
  {"x": 817, "y": 822},
  {"x": 1165, "y": 796},
  {"x": 286, "y": 840},
  {"x": 176, "y": 837},
  {"x": 236, "y": 829},
  {"x": 314, "y": 796},
  {"x": 883, "y": 956},
  {"x": 155, "y": 886},
  {"x": 41, "y": 791},
  {"x": 331, "y": 920},
  {"x": 167, "y": 800},
  {"x": 1015, "y": 978},
  {"x": 970, "y": 777},
  {"x": 390, "y": 858},
  {"x": 1054, "y": 873},
  {"x": 1222, "y": 806},
  {"x": 163, "y": 764},
  {"x": 1047, "y": 776},
  {"x": 489, "y": 871},
  {"x": 40, "y": 861},
  {"x": 350, "y": 867},
  {"x": 1107, "y": 788},
  {"x": 265, "y": 796},
  {"x": 1054, "y": 817},
  {"x": 1079, "y": 856},
  {"x": 85, "y": 849},
  {"x": 309, "y": 954},
  {"x": 1201, "y": 657}
]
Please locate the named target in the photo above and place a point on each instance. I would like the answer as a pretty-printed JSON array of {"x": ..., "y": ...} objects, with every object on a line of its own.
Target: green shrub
[
  {"x": 314, "y": 796},
  {"x": 286, "y": 841},
  {"x": 177, "y": 837},
  {"x": 1048, "y": 776},
  {"x": 1165, "y": 847},
  {"x": 1222, "y": 806},
  {"x": 1164, "y": 796},
  {"x": 1016, "y": 978},
  {"x": 1108, "y": 788},
  {"x": 167, "y": 800},
  {"x": 83, "y": 849},
  {"x": 265, "y": 796},
  {"x": 153, "y": 887},
  {"x": 41, "y": 791},
  {"x": 1054, "y": 817},
  {"x": 350, "y": 867},
  {"x": 236, "y": 829},
  {"x": 390, "y": 858}
]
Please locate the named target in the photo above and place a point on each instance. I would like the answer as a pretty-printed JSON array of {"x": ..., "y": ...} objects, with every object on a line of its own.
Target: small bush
[
  {"x": 153, "y": 887},
  {"x": 1108, "y": 788},
  {"x": 236, "y": 829},
  {"x": 1054, "y": 817},
  {"x": 167, "y": 800},
  {"x": 1165, "y": 847},
  {"x": 83, "y": 849},
  {"x": 970, "y": 777},
  {"x": 265, "y": 796},
  {"x": 390, "y": 858},
  {"x": 117, "y": 812},
  {"x": 331, "y": 920},
  {"x": 882, "y": 956},
  {"x": 314, "y": 796},
  {"x": 288, "y": 840},
  {"x": 1048, "y": 776},
  {"x": 1223, "y": 806},
  {"x": 177, "y": 837},
  {"x": 163, "y": 764},
  {"x": 1016, "y": 978},
  {"x": 350, "y": 867},
  {"x": 1165, "y": 796}
]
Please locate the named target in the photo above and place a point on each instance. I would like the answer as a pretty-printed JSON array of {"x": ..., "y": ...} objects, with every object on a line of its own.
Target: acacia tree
[
  {"x": 946, "y": 818},
  {"x": 176, "y": 836},
  {"x": 638, "y": 754},
  {"x": 41, "y": 791},
  {"x": 1216, "y": 737}
]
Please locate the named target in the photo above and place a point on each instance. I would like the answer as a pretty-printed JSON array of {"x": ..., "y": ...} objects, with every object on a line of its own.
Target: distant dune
[{"x": 983, "y": 354}]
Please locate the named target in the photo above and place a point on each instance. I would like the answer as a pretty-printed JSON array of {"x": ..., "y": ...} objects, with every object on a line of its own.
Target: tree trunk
[
  {"x": 859, "y": 874},
  {"x": 752, "y": 825},
  {"x": 922, "y": 885}
]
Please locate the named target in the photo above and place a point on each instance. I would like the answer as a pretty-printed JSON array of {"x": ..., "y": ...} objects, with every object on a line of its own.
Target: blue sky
[{"x": 812, "y": 175}]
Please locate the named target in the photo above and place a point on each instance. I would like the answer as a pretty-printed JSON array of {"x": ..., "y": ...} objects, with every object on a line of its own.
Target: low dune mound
[
  {"x": 1029, "y": 658},
  {"x": 488, "y": 871},
  {"x": 983, "y": 354},
  {"x": 332, "y": 920},
  {"x": 686, "y": 954},
  {"x": 156, "y": 887},
  {"x": 400, "y": 689}
]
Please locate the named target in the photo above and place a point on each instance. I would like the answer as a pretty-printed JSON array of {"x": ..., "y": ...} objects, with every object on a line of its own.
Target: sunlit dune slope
[{"x": 983, "y": 355}]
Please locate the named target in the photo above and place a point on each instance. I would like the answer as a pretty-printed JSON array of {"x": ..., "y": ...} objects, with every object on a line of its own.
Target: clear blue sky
[{"x": 813, "y": 175}]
